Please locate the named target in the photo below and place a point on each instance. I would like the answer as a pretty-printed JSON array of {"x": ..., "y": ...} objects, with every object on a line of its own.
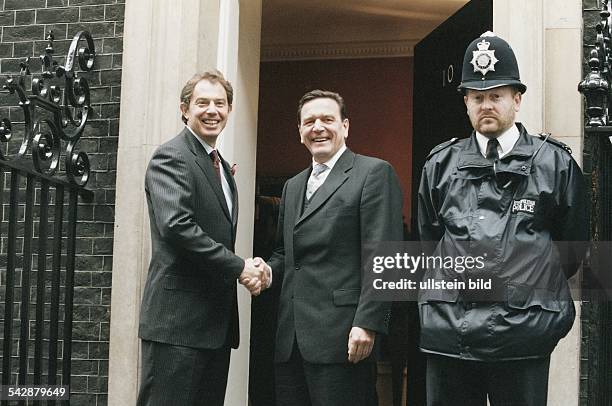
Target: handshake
[{"x": 256, "y": 275}]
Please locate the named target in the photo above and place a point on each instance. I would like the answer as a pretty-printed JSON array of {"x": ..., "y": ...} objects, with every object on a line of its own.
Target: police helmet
[{"x": 489, "y": 62}]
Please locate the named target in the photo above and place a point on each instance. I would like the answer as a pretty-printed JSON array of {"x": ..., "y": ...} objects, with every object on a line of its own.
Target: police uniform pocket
[
  {"x": 522, "y": 297},
  {"x": 439, "y": 321},
  {"x": 530, "y": 216},
  {"x": 531, "y": 322},
  {"x": 539, "y": 211}
]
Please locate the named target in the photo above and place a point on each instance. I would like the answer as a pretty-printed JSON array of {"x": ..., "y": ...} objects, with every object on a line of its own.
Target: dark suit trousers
[
  {"x": 456, "y": 382},
  {"x": 301, "y": 383},
  {"x": 182, "y": 376}
]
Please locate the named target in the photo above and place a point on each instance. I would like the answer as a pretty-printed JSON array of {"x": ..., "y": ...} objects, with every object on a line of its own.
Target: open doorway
[{"x": 365, "y": 52}]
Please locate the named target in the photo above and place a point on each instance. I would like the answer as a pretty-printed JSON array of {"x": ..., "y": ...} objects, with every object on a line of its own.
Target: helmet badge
[{"x": 484, "y": 60}]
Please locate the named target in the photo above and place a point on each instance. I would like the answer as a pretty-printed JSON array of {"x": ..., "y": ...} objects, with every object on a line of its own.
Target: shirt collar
[
  {"x": 506, "y": 141},
  {"x": 330, "y": 164},
  {"x": 207, "y": 147}
]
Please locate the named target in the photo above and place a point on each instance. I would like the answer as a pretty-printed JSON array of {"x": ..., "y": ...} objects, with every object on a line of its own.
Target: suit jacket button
[{"x": 297, "y": 267}]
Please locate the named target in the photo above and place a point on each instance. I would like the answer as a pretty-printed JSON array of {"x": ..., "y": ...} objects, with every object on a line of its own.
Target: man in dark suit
[
  {"x": 327, "y": 327},
  {"x": 189, "y": 314}
]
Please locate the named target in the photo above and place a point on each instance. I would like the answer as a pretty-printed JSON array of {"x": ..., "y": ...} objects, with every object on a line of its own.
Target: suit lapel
[
  {"x": 205, "y": 163},
  {"x": 296, "y": 191},
  {"x": 335, "y": 179}
]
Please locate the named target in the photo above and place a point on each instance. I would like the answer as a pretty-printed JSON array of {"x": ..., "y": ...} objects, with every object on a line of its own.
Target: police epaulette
[
  {"x": 554, "y": 141},
  {"x": 442, "y": 146}
]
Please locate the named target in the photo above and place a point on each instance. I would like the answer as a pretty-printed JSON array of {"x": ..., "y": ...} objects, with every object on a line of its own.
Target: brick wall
[{"x": 24, "y": 26}]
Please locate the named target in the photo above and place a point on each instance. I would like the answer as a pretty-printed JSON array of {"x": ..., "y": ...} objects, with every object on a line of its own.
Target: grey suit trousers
[{"x": 181, "y": 376}]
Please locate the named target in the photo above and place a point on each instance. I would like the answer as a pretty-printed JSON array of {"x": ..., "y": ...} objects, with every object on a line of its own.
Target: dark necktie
[
  {"x": 492, "y": 145},
  {"x": 214, "y": 155}
]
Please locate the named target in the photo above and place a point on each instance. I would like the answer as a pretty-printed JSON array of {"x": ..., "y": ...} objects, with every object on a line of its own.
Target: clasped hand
[{"x": 256, "y": 275}]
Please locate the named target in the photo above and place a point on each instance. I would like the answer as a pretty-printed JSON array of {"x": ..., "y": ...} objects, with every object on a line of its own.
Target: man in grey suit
[
  {"x": 189, "y": 314},
  {"x": 327, "y": 327}
]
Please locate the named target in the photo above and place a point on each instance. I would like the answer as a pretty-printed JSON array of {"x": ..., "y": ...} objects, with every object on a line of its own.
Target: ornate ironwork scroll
[
  {"x": 68, "y": 109},
  {"x": 596, "y": 84}
]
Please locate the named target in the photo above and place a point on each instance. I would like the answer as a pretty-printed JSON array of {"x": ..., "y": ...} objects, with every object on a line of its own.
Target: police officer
[{"x": 509, "y": 197}]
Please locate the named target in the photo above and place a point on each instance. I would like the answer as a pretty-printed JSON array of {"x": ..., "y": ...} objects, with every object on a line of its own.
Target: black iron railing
[
  {"x": 41, "y": 214},
  {"x": 597, "y": 309}
]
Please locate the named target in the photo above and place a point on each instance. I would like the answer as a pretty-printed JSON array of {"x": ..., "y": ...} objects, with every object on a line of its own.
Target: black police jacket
[{"x": 511, "y": 214}]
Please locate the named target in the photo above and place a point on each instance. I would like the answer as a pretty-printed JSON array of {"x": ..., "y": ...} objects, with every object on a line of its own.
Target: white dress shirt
[{"x": 506, "y": 141}]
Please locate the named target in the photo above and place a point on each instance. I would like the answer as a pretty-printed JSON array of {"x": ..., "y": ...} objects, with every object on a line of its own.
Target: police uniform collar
[
  {"x": 471, "y": 156},
  {"x": 524, "y": 146},
  {"x": 520, "y": 159}
]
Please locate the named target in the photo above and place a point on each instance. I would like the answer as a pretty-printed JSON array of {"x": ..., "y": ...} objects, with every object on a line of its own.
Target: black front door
[{"x": 439, "y": 112}]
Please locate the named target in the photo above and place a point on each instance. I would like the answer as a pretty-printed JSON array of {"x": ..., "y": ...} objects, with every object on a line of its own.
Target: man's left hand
[{"x": 360, "y": 344}]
